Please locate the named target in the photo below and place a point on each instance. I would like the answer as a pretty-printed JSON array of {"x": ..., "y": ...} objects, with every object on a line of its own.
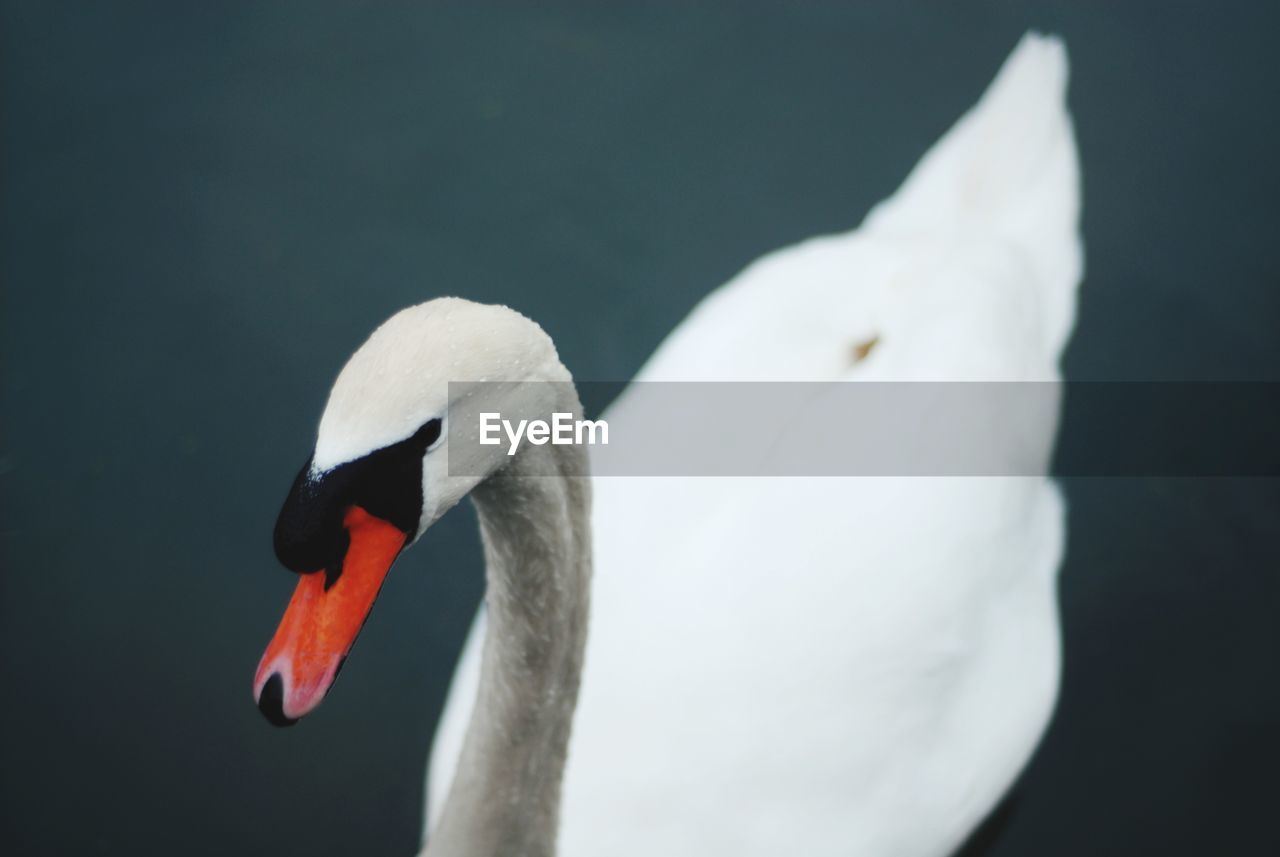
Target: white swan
[{"x": 802, "y": 666}]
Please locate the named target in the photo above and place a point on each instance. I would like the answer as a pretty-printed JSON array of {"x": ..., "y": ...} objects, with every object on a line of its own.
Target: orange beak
[{"x": 323, "y": 619}]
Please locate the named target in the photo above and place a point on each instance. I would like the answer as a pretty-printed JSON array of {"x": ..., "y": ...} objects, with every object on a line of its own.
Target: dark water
[{"x": 206, "y": 208}]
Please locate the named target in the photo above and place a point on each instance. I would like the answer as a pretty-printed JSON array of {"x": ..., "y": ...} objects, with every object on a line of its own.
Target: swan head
[{"x": 380, "y": 475}]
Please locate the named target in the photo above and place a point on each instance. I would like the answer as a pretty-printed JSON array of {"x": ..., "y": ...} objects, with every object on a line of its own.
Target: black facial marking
[
  {"x": 334, "y": 569},
  {"x": 430, "y": 433},
  {"x": 386, "y": 483}
]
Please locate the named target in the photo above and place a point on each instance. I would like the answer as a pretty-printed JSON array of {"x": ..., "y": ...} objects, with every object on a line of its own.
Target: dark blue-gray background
[{"x": 206, "y": 207}]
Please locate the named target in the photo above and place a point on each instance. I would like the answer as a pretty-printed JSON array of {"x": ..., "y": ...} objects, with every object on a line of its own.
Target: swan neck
[{"x": 505, "y": 796}]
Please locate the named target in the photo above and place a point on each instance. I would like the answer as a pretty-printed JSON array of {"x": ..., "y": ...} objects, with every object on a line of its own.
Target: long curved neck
[{"x": 505, "y": 796}]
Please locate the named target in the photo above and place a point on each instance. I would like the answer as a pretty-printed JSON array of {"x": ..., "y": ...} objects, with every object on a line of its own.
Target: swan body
[{"x": 837, "y": 665}]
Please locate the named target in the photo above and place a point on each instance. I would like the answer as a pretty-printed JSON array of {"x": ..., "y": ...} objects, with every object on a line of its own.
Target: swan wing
[{"x": 821, "y": 665}]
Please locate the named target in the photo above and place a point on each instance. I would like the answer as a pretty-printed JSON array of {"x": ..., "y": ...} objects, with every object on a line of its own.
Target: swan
[{"x": 775, "y": 665}]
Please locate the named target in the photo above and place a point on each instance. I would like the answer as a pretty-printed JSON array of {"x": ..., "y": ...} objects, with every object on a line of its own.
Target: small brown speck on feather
[{"x": 862, "y": 349}]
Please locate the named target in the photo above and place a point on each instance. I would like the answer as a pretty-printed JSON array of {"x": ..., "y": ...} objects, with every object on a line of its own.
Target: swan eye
[{"x": 431, "y": 433}]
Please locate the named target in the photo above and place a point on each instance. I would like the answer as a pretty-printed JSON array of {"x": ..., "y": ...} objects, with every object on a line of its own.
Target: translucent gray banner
[{"x": 871, "y": 429}]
